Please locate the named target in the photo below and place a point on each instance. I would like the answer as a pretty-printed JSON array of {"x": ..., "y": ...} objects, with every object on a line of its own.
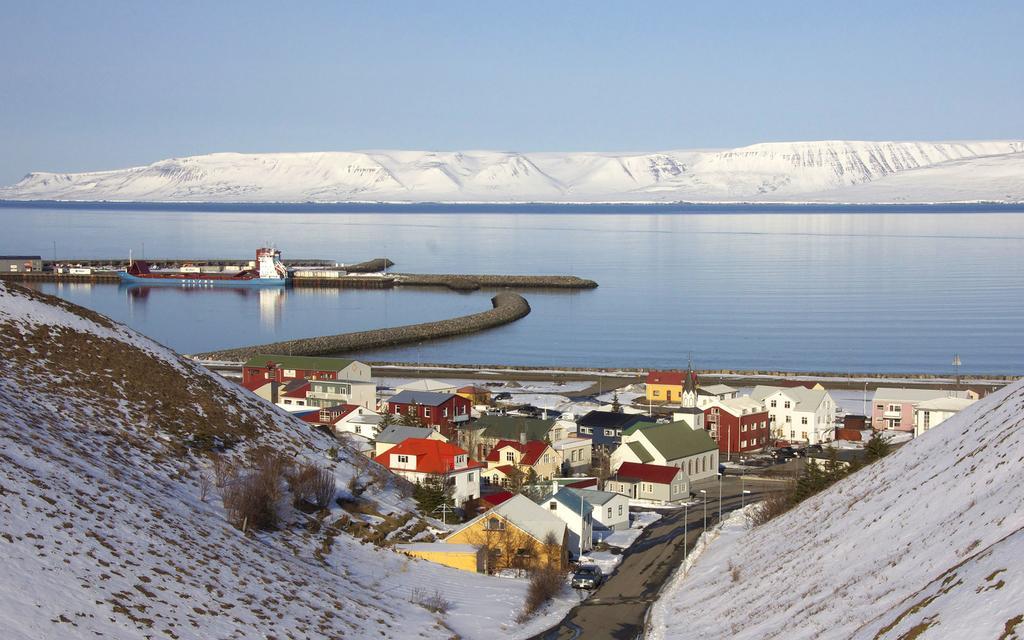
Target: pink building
[{"x": 893, "y": 408}]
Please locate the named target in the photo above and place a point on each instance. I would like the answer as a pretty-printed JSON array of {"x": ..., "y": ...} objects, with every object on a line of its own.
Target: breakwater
[
  {"x": 507, "y": 307},
  {"x": 474, "y": 282}
]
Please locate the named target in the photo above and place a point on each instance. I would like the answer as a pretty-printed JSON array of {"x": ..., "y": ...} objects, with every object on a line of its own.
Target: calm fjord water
[{"x": 799, "y": 290}]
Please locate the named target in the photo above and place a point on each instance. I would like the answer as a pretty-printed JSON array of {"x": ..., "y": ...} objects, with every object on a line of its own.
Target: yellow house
[
  {"x": 476, "y": 395},
  {"x": 523, "y": 457},
  {"x": 516, "y": 534},
  {"x": 665, "y": 386},
  {"x": 458, "y": 556}
]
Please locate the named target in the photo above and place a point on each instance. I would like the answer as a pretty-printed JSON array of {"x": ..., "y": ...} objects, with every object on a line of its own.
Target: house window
[
  {"x": 744, "y": 428},
  {"x": 786, "y": 405},
  {"x": 789, "y": 418},
  {"x": 469, "y": 477},
  {"x": 743, "y": 444},
  {"x": 609, "y": 432},
  {"x": 927, "y": 419},
  {"x": 426, "y": 412},
  {"x": 495, "y": 524},
  {"x": 609, "y": 512},
  {"x": 359, "y": 429},
  {"x": 444, "y": 412},
  {"x": 620, "y": 509},
  {"x": 894, "y": 407},
  {"x": 772, "y": 404},
  {"x": 403, "y": 458},
  {"x": 803, "y": 420},
  {"x": 657, "y": 393},
  {"x": 510, "y": 456},
  {"x": 522, "y": 553},
  {"x": 553, "y": 505},
  {"x": 547, "y": 458}
]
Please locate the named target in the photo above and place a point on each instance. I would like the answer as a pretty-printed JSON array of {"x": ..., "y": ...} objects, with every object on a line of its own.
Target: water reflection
[{"x": 269, "y": 301}]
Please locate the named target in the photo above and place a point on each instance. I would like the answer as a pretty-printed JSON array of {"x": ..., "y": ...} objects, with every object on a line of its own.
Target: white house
[
  {"x": 417, "y": 459},
  {"x": 610, "y": 510},
  {"x": 396, "y": 434},
  {"x": 328, "y": 393},
  {"x": 709, "y": 394},
  {"x": 930, "y": 413},
  {"x": 798, "y": 413},
  {"x": 672, "y": 444},
  {"x": 574, "y": 511},
  {"x": 574, "y": 454},
  {"x": 430, "y": 386}
]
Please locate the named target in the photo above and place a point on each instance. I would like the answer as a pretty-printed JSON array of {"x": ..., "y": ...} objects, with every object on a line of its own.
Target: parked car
[
  {"x": 587, "y": 576},
  {"x": 504, "y": 395},
  {"x": 786, "y": 453}
]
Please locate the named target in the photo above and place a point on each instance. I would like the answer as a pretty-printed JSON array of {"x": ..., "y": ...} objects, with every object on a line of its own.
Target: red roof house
[
  {"x": 417, "y": 458},
  {"x": 650, "y": 482},
  {"x": 522, "y": 457}
]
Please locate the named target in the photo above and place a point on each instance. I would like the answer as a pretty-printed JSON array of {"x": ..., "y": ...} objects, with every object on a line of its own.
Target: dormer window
[
  {"x": 495, "y": 524},
  {"x": 403, "y": 459}
]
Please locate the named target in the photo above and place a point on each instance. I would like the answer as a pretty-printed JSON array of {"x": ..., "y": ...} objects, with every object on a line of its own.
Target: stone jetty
[{"x": 507, "y": 307}]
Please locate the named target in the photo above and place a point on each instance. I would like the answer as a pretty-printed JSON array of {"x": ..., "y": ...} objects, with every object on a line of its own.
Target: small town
[{"x": 575, "y": 489}]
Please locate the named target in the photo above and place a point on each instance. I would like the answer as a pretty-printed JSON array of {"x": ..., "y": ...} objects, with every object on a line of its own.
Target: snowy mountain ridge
[
  {"x": 925, "y": 543},
  {"x": 821, "y": 171},
  {"x": 105, "y": 530}
]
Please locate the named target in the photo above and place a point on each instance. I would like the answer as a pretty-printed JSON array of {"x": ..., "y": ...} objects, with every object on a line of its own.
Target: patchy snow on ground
[
  {"x": 925, "y": 543},
  {"x": 637, "y": 523},
  {"x": 108, "y": 528}
]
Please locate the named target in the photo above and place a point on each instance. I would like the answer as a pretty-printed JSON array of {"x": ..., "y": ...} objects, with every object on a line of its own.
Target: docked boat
[{"x": 269, "y": 271}]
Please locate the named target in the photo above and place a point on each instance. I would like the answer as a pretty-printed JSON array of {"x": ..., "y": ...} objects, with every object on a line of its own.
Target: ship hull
[{"x": 199, "y": 280}]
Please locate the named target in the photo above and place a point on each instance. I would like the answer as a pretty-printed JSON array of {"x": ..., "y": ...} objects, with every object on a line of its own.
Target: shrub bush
[
  {"x": 313, "y": 485},
  {"x": 253, "y": 499},
  {"x": 774, "y": 505},
  {"x": 545, "y": 583}
]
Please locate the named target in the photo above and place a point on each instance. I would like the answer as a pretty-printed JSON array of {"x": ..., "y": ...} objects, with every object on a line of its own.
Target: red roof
[
  {"x": 432, "y": 456},
  {"x": 532, "y": 451},
  {"x": 666, "y": 377},
  {"x": 494, "y": 499},
  {"x": 647, "y": 472},
  {"x": 505, "y": 469},
  {"x": 296, "y": 389},
  {"x": 583, "y": 484},
  {"x": 474, "y": 390},
  {"x": 334, "y": 413}
]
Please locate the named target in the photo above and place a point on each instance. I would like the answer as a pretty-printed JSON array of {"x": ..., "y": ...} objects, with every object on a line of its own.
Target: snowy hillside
[
  {"x": 926, "y": 543},
  {"x": 104, "y": 531},
  {"x": 826, "y": 171}
]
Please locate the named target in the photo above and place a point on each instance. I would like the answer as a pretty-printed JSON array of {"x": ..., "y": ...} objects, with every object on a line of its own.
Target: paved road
[{"x": 617, "y": 609}]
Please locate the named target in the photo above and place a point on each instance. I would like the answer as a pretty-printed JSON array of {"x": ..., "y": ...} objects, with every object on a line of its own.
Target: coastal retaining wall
[
  {"x": 474, "y": 282},
  {"x": 508, "y": 307}
]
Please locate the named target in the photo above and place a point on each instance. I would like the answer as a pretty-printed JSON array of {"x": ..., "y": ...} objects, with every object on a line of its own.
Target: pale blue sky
[{"x": 97, "y": 85}]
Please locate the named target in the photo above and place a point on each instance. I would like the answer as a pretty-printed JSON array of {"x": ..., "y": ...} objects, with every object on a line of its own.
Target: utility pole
[{"x": 956, "y": 364}]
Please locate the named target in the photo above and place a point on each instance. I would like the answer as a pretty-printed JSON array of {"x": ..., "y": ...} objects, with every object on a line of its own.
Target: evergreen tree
[
  {"x": 431, "y": 494},
  {"x": 876, "y": 448},
  {"x": 413, "y": 419},
  {"x": 834, "y": 470},
  {"x": 616, "y": 407},
  {"x": 812, "y": 480},
  {"x": 386, "y": 420}
]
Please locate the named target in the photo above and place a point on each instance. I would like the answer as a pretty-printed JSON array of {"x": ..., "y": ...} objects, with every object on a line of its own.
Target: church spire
[{"x": 689, "y": 398}]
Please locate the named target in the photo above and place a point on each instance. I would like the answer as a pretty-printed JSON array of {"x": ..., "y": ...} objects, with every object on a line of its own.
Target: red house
[
  {"x": 442, "y": 411},
  {"x": 739, "y": 425},
  {"x": 266, "y": 368}
]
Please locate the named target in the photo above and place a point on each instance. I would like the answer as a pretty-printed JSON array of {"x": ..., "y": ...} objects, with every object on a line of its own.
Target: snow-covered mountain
[
  {"x": 105, "y": 532},
  {"x": 926, "y": 543},
  {"x": 827, "y": 171}
]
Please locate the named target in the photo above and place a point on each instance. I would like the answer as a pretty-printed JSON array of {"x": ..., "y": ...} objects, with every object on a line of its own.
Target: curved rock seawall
[
  {"x": 508, "y": 307},
  {"x": 472, "y": 282}
]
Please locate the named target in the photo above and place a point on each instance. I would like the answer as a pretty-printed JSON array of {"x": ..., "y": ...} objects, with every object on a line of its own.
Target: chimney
[{"x": 522, "y": 437}]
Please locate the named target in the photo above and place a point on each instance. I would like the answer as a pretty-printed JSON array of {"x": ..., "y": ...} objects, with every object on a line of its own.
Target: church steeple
[{"x": 689, "y": 398}]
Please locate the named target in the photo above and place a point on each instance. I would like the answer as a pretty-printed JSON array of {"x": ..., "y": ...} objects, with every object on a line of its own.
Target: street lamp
[
  {"x": 686, "y": 522},
  {"x": 720, "y": 477},
  {"x": 705, "y": 499},
  {"x": 743, "y": 498}
]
